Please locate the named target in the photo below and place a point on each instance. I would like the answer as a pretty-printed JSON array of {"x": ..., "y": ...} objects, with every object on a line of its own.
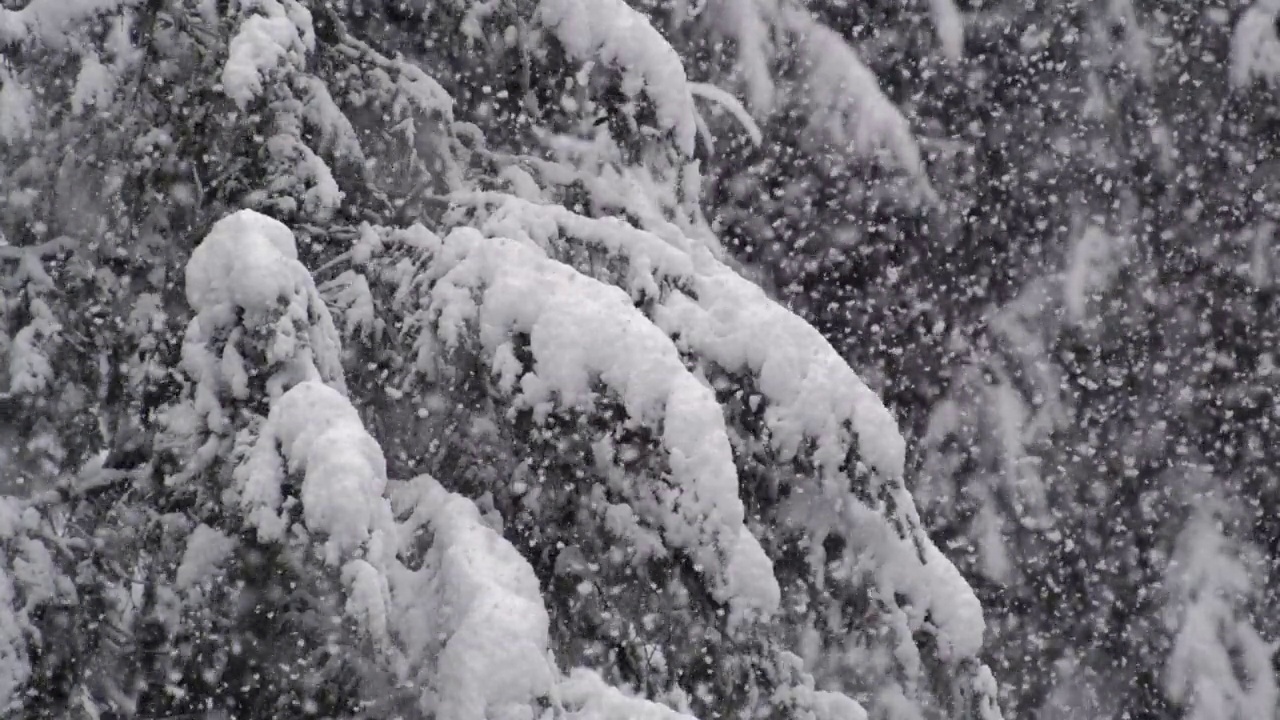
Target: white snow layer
[
  {"x": 586, "y": 696},
  {"x": 850, "y": 109},
  {"x": 581, "y": 332},
  {"x": 472, "y": 614},
  {"x": 950, "y": 28},
  {"x": 322, "y": 434},
  {"x": 95, "y": 84},
  {"x": 467, "y": 625},
  {"x": 49, "y": 20},
  {"x": 811, "y": 395},
  {"x": 246, "y": 273},
  {"x": 748, "y": 23},
  {"x": 1220, "y": 666},
  {"x": 207, "y": 549},
  {"x": 14, "y": 666},
  {"x": 1255, "y": 46},
  {"x": 243, "y": 262},
  {"x": 811, "y": 391},
  {"x": 261, "y": 43},
  {"x": 17, "y": 108},
  {"x": 613, "y": 32}
]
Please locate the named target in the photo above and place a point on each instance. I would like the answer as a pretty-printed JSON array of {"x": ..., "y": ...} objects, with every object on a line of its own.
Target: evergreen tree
[
  {"x": 1099, "y": 466},
  {"x": 378, "y": 360}
]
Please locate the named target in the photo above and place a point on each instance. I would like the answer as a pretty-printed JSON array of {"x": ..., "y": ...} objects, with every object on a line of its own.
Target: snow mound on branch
[
  {"x": 650, "y": 259},
  {"x": 936, "y": 587},
  {"x": 15, "y": 668},
  {"x": 582, "y": 331},
  {"x": 586, "y": 696},
  {"x": 1219, "y": 666},
  {"x": 749, "y": 22},
  {"x": 812, "y": 393},
  {"x": 612, "y": 32},
  {"x": 261, "y": 43},
  {"x": 95, "y": 84},
  {"x": 321, "y": 436},
  {"x": 802, "y": 700},
  {"x": 1255, "y": 46},
  {"x": 247, "y": 260},
  {"x": 811, "y": 390},
  {"x": 18, "y": 115},
  {"x": 850, "y": 109},
  {"x": 949, "y": 24},
  {"x": 473, "y": 612},
  {"x": 207, "y": 549},
  {"x": 30, "y": 366},
  {"x": 814, "y": 404},
  {"x": 49, "y": 20}
]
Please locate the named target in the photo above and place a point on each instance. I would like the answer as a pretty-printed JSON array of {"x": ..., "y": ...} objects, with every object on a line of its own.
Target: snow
[
  {"x": 321, "y": 112},
  {"x": 582, "y": 331},
  {"x": 11, "y": 521},
  {"x": 612, "y": 32},
  {"x": 1214, "y": 643},
  {"x": 747, "y": 22},
  {"x": 35, "y": 573},
  {"x": 850, "y": 110},
  {"x": 811, "y": 396},
  {"x": 30, "y": 367},
  {"x": 950, "y": 28},
  {"x": 822, "y": 704},
  {"x": 246, "y": 272},
  {"x": 368, "y": 592},
  {"x": 730, "y": 104},
  {"x": 473, "y": 612},
  {"x": 95, "y": 84},
  {"x": 1255, "y": 47},
  {"x": 412, "y": 89},
  {"x": 259, "y": 46},
  {"x": 49, "y": 20},
  {"x": 321, "y": 196},
  {"x": 752, "y": 587},
  {"x": 351, "y": 294},
  {"x": 811, "y": 392},
  {"x": 954, "y": 609},
  {"x": 321, "y": 436},
  {"x": 933, "y": 588},
  {"x": 586, "y": 696},
  {"x": 17, "y": 108},
  {"x": 15, "y": 669},
  {"x": 928, "y": 591},
  {"x": 797, "y": 693},
  {"x": 207, "y": 550},
  {"x": 247, "y": 260},
  {"x": 650, "y": 259}
]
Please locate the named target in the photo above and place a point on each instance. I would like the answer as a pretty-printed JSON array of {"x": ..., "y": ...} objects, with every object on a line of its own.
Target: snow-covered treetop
[
  {"x": 282, "y": 33},
  {"x": 246, "y": 274}
]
